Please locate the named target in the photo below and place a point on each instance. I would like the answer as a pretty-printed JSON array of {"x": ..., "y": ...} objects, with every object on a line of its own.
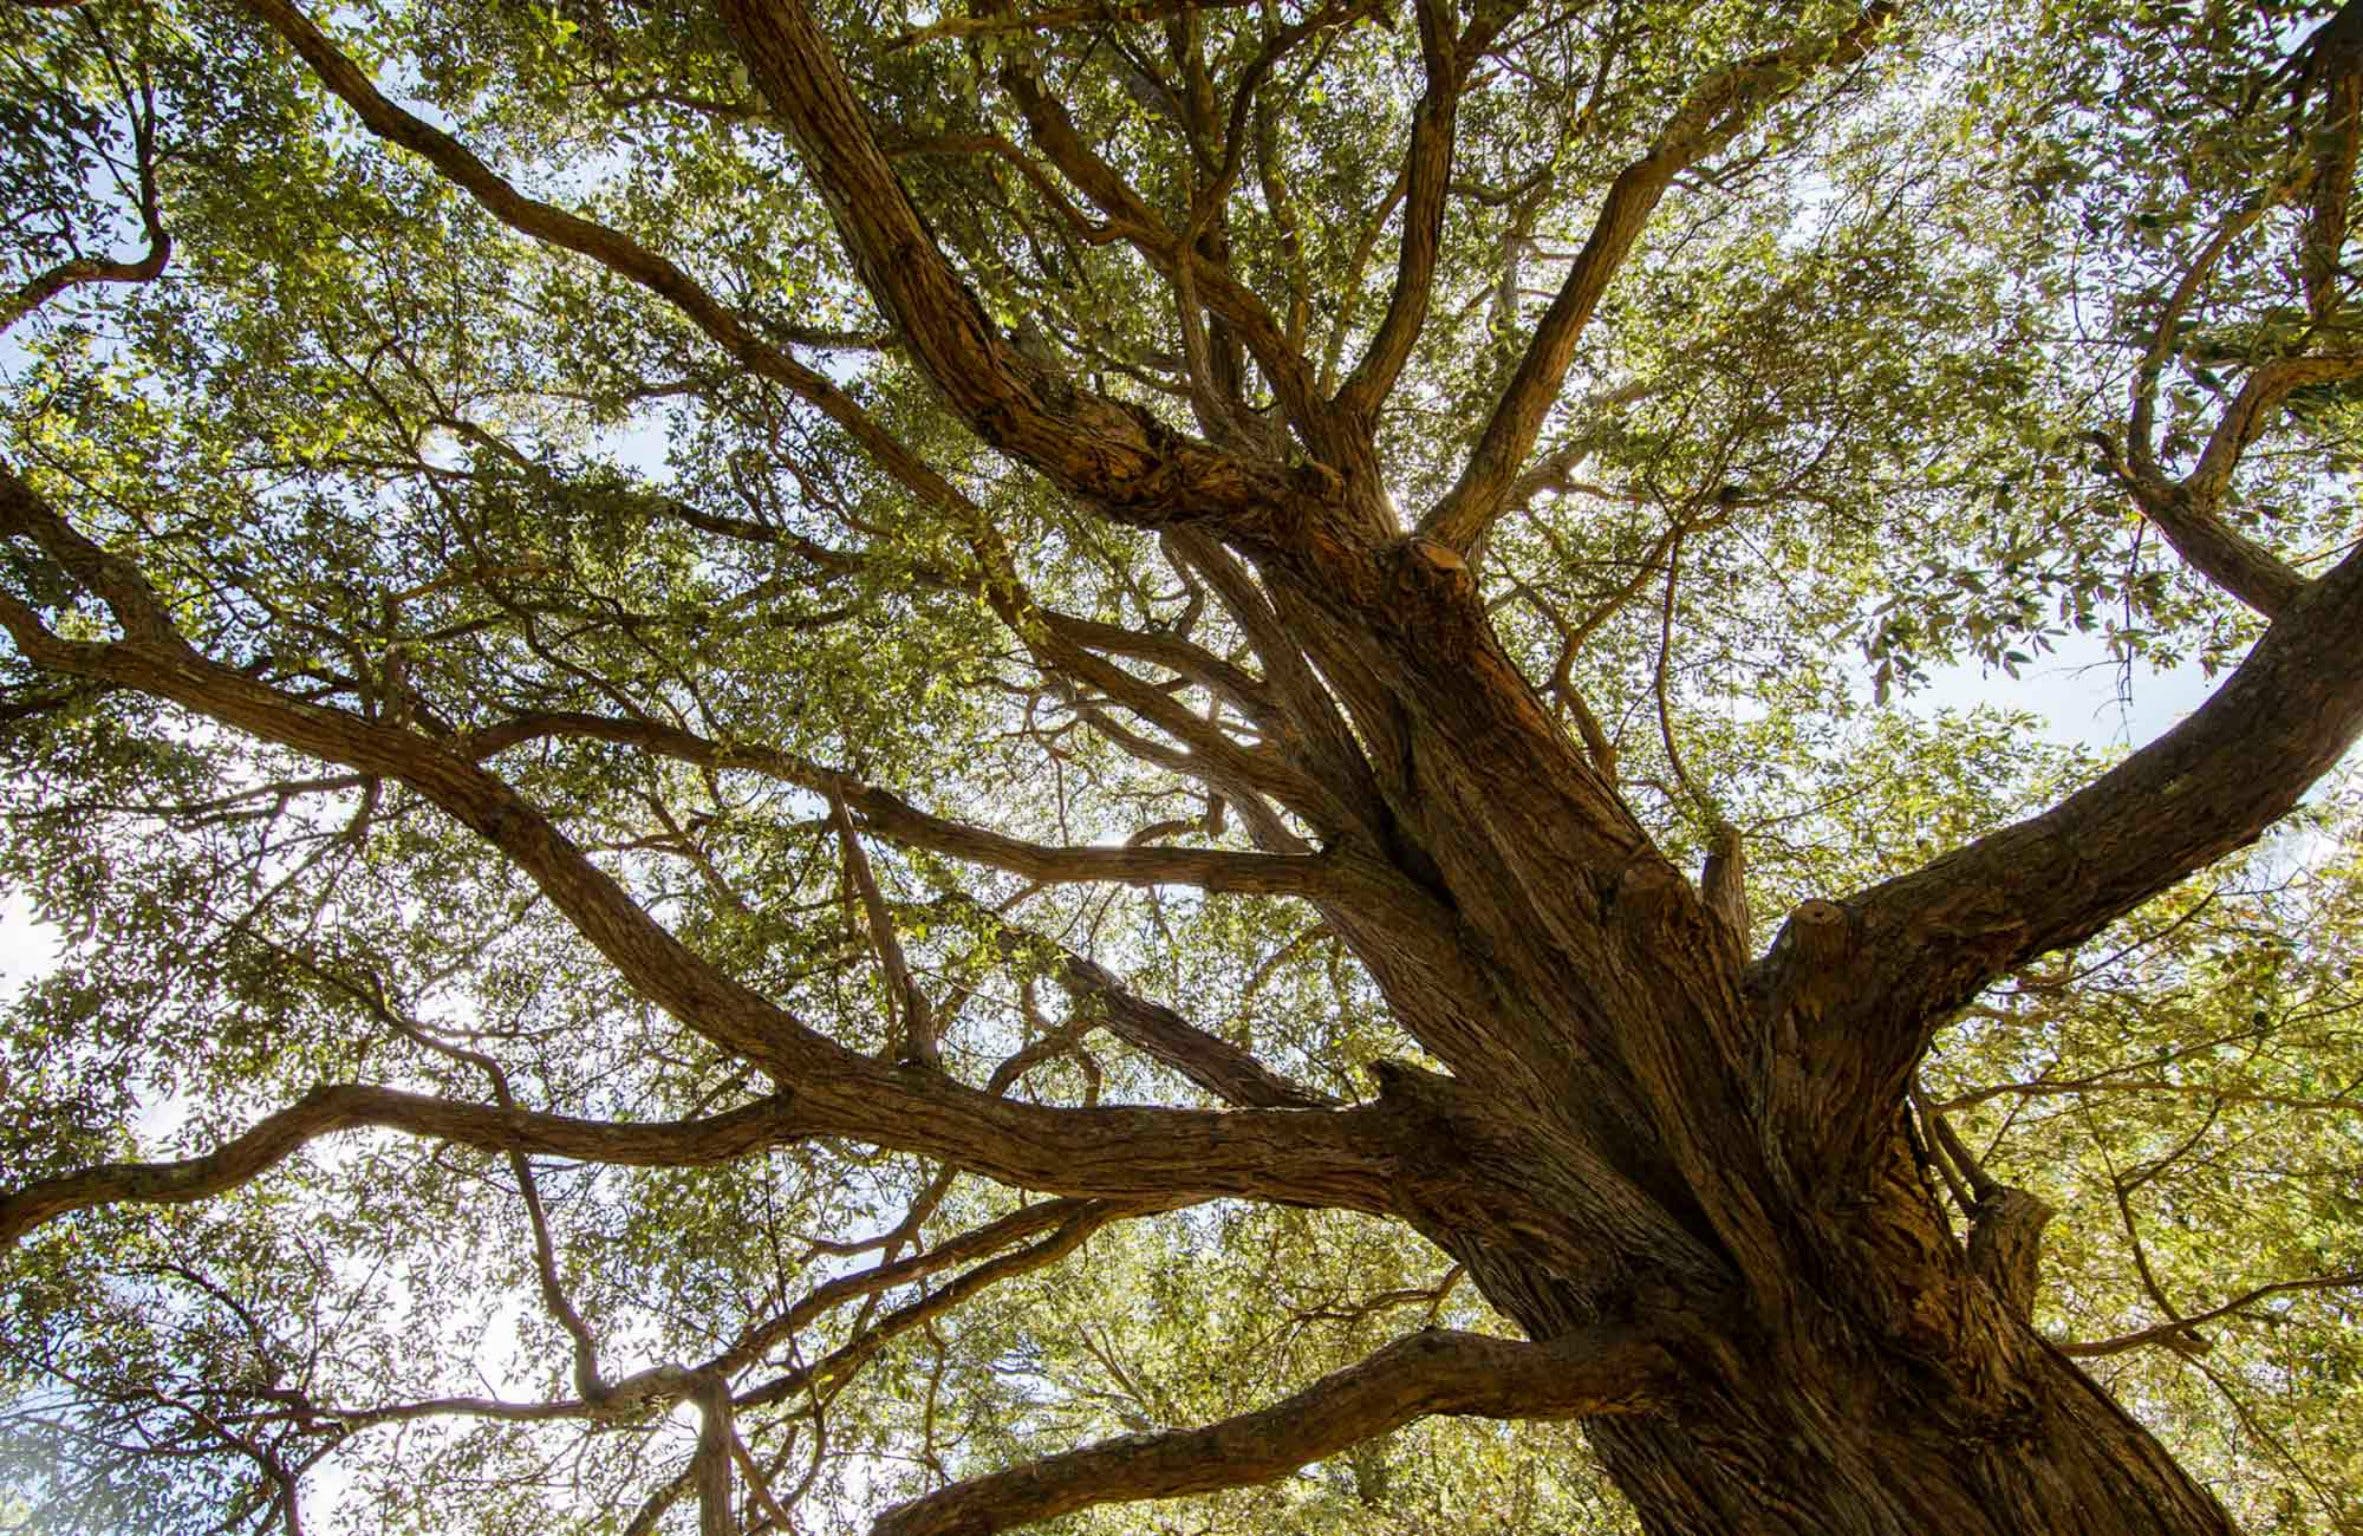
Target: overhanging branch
[
  {"x": 1868, "y": 980},
  {"x": 1309, "y": 1157},
  {"x": 351, "y": 1106},
  {"x": 890, "y": 817},
  {"x": 1435, "y": 1372}
]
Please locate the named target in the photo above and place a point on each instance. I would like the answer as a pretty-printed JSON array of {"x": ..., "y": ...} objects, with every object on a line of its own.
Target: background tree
[{"x": 924, "y": 769}]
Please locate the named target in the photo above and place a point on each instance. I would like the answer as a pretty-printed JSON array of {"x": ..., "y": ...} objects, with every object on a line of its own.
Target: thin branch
[
  {"x": 349, "y": 1106},
  {"x": 89, "y": 271},
  {"x": 555, "y": 226},
  {"x": 834, "y": 1369},
  {"x": 1213, "y": 1063},
  {"x": 917, "y": 1014},
  {"x": 890, "y": 817},
  {"x": 1714, "y": 113},
  {"x": 2177, "y": 1331},
  {"x": 1057, "y": 18}
]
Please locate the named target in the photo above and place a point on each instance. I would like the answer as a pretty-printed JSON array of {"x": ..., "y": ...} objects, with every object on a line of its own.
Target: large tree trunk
[
  {"x": 1650, "y": 1131},
  {"x": 1894, "y": 1385},
  {"x": 1849, "y": 1443}
]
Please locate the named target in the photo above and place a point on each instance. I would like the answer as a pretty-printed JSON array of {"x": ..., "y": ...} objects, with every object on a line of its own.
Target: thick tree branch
[
  {"x": 1213, "y": 1063},
  {"x": 1715, "y": 113},
  {"x": 85, "y": 272},
  {"x": 2216, "y": 550},
  {"x": 1329, "y": 748},
  {"x": 2189, "y": 510},
  {"x": 1427, "y": 177},
  {"x": 1873, "y": 977},
  {"x": 2260, "y": 398},
  {"x": 1436, "y": 1372},
  {"x": 1306, "y": 1157},
  {"x": 709, "y": 1465},
  {"x": 1112, "y": 455}
]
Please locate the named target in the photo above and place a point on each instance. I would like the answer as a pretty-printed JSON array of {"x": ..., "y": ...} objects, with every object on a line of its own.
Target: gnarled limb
[
  {"x": 1596, "y": 1371},
  {"x": 2209, "y": 545},
  {"x": 1868, "y": 981},
  {"x": 1112, "y": 455},
  {"x": 1715, "y": 113},
  {"x": 2189, "y": 510},
  {"x": 86, "y": 271}
]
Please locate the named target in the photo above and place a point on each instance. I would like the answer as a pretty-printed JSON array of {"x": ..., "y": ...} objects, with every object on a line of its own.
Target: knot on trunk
[
  {"x": 1438, "y": 580},
  {"x": 1724, "y": 884},
  {"x": 1647, "y": 892},
  {"x": 2006, "y": 1245},
  {"x": 1430, "y": 1094}
]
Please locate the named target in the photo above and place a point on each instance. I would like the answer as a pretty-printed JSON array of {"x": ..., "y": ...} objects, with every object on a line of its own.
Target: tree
[{"x": 714, "y": 623}]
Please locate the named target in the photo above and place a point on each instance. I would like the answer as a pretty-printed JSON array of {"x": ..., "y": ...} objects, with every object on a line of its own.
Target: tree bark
[
  {"x": 1640, "y": 1138},
  {"x": 1840, "y": 1443}
]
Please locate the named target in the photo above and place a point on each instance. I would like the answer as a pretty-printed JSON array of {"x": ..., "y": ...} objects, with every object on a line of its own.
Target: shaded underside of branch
[{"x": 1434, "y": 1372}]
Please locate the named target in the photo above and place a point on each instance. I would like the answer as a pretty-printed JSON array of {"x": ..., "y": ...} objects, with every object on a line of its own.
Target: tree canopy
[{"x": 776, "y": 744}]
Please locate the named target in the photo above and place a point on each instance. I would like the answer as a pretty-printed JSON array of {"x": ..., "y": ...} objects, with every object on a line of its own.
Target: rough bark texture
[
  {"x": 1844, "y": 1363},
  {"x": 1688, "y": 1177}
]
